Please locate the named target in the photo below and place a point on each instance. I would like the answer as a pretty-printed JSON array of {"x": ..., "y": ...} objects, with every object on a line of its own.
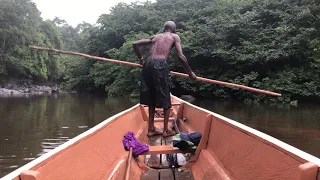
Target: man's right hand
[{"x": 192, "y": 76}]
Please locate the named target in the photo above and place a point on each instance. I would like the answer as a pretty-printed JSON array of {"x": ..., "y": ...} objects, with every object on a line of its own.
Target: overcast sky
[{"x": 76, "y": 11}]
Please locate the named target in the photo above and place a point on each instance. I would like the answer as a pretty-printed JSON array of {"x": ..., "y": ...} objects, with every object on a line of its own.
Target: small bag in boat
[
  {"x": 195, "y": 137},
  {"x": 187, "y": 142}
]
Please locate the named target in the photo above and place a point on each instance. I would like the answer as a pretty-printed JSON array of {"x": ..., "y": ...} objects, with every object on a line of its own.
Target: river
[{"x": 32, "y": 125}]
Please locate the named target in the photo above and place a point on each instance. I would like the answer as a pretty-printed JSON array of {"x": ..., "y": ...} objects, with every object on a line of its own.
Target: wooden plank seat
[
  {"x": 164, "y": 149},
  {"x": 162, "y": 119}
]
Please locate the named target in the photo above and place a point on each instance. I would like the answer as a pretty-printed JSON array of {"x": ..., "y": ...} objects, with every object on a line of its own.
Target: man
[{"x": 155, "y": 90}]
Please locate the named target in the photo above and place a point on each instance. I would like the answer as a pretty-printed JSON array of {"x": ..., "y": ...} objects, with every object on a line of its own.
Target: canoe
[{"x": 227, "y": 150}]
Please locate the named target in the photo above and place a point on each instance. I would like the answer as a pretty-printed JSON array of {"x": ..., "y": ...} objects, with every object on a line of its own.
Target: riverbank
[{"x": 28, "y": 87}]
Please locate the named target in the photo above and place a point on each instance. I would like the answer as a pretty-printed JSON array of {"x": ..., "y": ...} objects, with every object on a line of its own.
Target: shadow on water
[{"x": 32, "y": 125}]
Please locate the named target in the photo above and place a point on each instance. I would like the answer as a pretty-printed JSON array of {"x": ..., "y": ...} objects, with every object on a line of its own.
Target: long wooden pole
[{"x": 173, "y": 73}]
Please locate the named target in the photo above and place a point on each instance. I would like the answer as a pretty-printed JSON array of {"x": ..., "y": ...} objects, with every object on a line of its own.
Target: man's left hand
[{"x": 141, "y": 60}]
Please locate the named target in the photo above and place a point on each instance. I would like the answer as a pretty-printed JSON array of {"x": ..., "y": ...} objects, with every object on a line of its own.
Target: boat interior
[{"x": 227, "y": 150}]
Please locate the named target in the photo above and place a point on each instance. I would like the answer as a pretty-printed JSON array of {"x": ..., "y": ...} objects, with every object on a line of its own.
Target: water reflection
[{"x": 32, "y": 125}]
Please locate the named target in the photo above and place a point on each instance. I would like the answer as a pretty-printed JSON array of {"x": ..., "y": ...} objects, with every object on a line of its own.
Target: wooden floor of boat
[
  {"x": 161, "y": 164},
  {"x": 167, "y": 174}
]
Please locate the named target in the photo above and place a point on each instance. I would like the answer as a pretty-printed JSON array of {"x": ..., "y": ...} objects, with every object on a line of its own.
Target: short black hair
[{"x": 171, "y": 26}]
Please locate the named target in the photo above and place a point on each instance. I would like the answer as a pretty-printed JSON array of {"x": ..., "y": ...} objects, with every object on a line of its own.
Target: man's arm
[
  {"x": 182, "y": 58},
  {"x": 142, "y": 42}
]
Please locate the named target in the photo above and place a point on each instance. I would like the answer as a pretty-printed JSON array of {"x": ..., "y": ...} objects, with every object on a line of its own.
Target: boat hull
[{"x": 227, "y": 150}]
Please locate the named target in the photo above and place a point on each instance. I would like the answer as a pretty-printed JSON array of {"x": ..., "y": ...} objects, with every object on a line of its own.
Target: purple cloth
[{"x": 130, "y": 140}]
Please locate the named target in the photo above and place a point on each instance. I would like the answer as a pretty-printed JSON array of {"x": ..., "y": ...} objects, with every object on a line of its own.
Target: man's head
[{"x": 169, "y": 26}]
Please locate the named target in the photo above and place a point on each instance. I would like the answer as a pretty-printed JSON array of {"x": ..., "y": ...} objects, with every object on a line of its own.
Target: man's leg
[
  {"x": 147, "y": 96},
  {"x": 152, "y": 131},
  {"x": 166, "y": 131}
]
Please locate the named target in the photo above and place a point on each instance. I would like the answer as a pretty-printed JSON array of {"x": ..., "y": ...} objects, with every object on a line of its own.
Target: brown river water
[{"x": 32, "y": 125}]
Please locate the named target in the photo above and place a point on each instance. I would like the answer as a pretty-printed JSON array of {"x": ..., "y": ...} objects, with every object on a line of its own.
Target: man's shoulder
[
  {"x": 163, "y": 35},
  {"x": 175, "y": 36}
]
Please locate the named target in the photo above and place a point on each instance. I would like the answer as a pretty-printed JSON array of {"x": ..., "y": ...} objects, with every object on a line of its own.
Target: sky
[{"x": 76, "y": 11}]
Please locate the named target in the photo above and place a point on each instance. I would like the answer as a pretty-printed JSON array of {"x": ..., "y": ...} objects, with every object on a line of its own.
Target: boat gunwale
[
  {"x": 67, "y": 144},
  {"x": 285, "y": 148}
]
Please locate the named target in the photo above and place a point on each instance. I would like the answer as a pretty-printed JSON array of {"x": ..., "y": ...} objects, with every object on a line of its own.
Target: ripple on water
[
  {"x": 53, "y": 139},
  {"x": 82, "y": 127},
  {"x": 63, "y": 138},
  {"x": 50, "y": 144},
  {"x": 6, "y": 160},
  {"x": 5, "y": 166},
  {"x": 11, "y": 167},
  {"x": 28, "y": 159},
  {"x": 44, "y": 151},
  {"x": 10, "y": 156}
]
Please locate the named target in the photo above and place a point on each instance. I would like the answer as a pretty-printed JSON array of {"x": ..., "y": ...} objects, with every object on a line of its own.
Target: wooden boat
[{"x": 227, "y": 150}]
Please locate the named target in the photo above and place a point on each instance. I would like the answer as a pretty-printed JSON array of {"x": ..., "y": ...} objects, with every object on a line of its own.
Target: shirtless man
[{"x": 155, "y": 79}]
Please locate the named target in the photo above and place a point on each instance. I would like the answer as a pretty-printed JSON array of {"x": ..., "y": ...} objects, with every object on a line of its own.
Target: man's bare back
[{"x": 162, "y": 45}]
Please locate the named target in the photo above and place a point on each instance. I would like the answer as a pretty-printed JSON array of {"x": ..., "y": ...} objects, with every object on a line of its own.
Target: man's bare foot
[
  {"x": 168, "y": 133},
  {"x": 154, "y": 132}
]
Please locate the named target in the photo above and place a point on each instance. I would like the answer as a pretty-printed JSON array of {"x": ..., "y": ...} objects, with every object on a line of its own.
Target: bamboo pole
[{"x": 173, "y": 73}]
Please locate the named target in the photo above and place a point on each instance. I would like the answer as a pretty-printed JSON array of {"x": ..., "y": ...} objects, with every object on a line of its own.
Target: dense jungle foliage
[{"x": 267, "y": 44}]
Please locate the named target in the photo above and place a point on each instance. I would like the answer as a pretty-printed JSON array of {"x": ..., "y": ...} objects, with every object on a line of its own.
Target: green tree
[
  {"x": 21, "y": 26},
  {"x": 271, "y": 44}
]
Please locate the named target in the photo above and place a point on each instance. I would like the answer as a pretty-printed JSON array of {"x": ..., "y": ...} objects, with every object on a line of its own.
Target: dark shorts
[{"x": 155, "y": 84}]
